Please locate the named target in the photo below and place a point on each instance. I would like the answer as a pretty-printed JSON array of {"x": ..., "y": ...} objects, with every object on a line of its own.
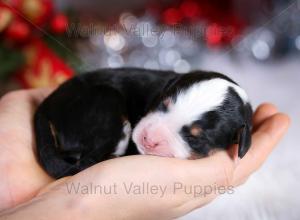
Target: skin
[{"x": 27, "y": 192}]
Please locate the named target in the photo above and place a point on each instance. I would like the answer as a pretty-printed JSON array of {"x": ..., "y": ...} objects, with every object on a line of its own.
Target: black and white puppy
[{"x": 90, "y": 118}]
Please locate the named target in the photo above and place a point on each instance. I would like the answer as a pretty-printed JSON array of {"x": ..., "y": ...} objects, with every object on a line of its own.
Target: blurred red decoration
[
  {"x": 214, "y": 34},
  {"x": 6, "y": 16},
  {"x": 59, "y": 24},
  {"x": 190, "y": 9},
  {"x": 172, "y": 16},
  {"x": 36, "y": 11},
  {"x": 42, "y": 68},
  {"x": 20, "y": 24},
  {"x": 20, "y": 17},
  {"x": 18, "y": 31},
  {"x": 219, "y": 18}
]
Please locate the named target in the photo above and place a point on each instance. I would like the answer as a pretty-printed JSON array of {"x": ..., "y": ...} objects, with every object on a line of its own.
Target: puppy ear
[{"x": 244, "y": 140}]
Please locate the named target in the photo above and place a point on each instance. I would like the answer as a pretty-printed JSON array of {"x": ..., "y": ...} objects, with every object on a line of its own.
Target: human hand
[
  {"x": 24, "y": 177},
  {"x": 21, "y": 176},
  {"x": 217, "y": 172}
]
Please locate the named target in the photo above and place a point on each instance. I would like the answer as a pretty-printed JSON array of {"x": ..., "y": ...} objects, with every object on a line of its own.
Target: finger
[
  {"x": 38, "y": 95},
  {"x": 22, "y": 98},
  {"x": 16, "y": 113},
  {"x": 263, "y": 112},
  {"x": 21, "y": 103},
  {"x": 264, "y": 140}
]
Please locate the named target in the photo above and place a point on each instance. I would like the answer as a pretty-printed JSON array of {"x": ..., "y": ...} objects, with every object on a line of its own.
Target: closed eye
[
  {"x": 191, "y": 137},
  {"x": 161, "y": 107},
  {"x": 164, "y": 105}
]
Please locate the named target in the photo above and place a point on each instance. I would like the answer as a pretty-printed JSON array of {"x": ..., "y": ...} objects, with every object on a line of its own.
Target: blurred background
[{"x": 257, "y": 43}]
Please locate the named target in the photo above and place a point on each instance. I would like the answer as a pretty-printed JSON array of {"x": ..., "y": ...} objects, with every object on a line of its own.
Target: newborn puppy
[{"x": 89, "y": 118}]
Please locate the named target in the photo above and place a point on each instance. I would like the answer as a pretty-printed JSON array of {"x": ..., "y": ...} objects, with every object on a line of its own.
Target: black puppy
[{"x": 89, "y": 118}]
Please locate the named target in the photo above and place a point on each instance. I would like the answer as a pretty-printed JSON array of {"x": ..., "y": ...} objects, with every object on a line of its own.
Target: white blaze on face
[{"x": 163, "y": 128}]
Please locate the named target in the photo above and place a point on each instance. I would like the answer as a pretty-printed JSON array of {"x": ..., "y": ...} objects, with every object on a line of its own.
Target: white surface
[{"x": 274, "y": 191}]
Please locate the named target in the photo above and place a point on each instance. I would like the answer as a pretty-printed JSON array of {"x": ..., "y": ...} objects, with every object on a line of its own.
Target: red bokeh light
[
  {"x": 172, "y": 16},
  {"x": 214, "y": 34},
  {"x": 190, "y": 9}
]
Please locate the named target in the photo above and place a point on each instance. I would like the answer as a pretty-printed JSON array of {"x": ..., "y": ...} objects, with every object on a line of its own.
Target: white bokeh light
[{"x": 113, "y": 40}]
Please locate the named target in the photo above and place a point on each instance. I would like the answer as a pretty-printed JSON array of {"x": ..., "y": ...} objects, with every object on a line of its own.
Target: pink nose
[
  {"x": 155, "y": 141},
  {"x": 151, "y": 140},
  {"x": 149, "y": 143}
]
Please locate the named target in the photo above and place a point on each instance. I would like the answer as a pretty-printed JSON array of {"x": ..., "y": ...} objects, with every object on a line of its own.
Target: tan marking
[
  {"x": 195, "y": 130},
  {"x": 54, "y": 134}
]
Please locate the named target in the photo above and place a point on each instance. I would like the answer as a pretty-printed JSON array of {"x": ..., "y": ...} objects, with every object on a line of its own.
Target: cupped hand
[
  {"x": 21, "y": 177},
  {"x": 165, "y": 188}
]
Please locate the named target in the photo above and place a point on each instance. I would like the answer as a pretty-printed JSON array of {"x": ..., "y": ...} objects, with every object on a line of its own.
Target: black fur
[
  {"x": 81, "y": 123},
  {"x": 229, "y": 124}
]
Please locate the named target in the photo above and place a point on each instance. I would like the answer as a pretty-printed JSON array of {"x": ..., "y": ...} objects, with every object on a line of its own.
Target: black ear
[{"x": 244, "y": 140}]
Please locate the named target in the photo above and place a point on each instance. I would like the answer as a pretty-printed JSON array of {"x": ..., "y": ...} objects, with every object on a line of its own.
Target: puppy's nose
[
  {"x": 153, "y": 138},
  {"x": 150, "y": 143}
]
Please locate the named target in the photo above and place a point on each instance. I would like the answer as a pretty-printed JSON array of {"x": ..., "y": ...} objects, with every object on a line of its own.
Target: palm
[{"x": 21, "y": 175}]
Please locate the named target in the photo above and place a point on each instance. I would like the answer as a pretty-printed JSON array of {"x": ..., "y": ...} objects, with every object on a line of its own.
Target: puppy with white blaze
[{"x": 90, "y": 118}]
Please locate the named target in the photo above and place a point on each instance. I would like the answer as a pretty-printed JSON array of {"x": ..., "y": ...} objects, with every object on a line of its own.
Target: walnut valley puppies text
[{"x": 146, "y": 188}]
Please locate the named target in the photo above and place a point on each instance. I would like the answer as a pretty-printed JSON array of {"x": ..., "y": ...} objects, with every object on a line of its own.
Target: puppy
[{"x": 90, "y": 118}]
